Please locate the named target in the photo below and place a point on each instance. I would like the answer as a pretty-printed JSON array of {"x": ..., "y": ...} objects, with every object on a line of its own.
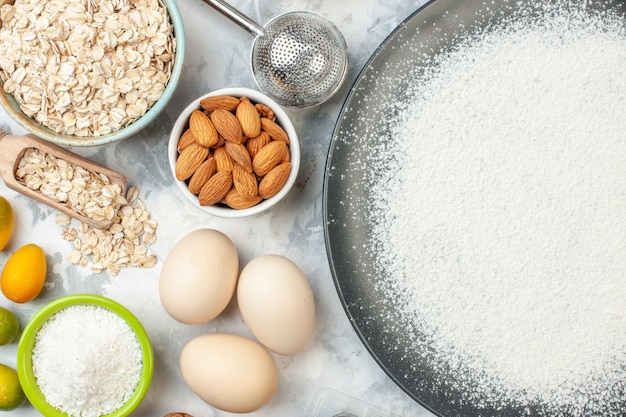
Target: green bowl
[
  {"x": 12, "y": 108},
  {"x": 27, "y": 342}
]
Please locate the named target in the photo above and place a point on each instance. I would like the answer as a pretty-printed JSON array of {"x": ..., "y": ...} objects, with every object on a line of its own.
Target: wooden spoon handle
[{"x": 12, "y": 149}]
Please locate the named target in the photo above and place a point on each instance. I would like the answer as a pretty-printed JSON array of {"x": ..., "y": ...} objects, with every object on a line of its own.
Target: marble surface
[{"x": 218, "y": 56}]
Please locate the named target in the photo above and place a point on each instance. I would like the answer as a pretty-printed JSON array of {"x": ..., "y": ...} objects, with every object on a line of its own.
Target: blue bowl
[{"x": 13, "y": 109}]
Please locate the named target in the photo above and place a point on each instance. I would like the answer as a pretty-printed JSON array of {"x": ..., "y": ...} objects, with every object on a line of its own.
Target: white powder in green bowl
[{"x": 87, "y": 361}]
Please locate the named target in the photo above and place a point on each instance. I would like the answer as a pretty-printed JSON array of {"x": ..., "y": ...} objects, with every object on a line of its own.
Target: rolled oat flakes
[
  {"x": 124, "y": 244},
  {"x": 85, "y": 68}
]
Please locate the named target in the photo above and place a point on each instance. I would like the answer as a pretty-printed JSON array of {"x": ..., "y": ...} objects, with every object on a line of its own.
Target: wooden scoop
[{"x": 12, "y": 149}]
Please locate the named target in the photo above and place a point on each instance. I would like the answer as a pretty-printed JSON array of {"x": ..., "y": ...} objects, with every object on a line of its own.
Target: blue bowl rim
[{"x": 8, "y": 103}]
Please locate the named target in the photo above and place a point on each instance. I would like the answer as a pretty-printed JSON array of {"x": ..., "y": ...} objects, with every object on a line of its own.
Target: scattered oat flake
[
  {"x": 63, "y": 219},
  {"x": 124, "y": 244}
]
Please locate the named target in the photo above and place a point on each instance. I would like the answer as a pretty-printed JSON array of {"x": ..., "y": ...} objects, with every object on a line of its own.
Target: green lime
[
  {"x": 9, "y": 326},
  {"x": 11, "y": 392}
]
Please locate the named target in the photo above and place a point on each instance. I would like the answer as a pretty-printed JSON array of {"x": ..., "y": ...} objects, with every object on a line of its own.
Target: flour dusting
[{"x": 500, "y": 226}]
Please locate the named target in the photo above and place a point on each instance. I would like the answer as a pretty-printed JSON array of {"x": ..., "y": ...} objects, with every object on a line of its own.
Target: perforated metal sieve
[{"x": 298, "y": 58}]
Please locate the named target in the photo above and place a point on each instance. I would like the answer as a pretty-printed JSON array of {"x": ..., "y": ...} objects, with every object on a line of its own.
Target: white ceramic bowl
[{"x": 282, "y": 119}]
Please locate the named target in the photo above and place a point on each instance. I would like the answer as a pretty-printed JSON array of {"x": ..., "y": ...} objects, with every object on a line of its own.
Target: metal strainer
[{"x": 299, "y": 59}]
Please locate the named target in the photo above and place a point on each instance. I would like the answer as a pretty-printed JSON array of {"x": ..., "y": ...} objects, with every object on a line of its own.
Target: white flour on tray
[{"x": 501, "y": 224}]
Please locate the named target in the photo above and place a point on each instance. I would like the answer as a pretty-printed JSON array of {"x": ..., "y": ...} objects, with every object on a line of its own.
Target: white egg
[
  {"x": 199, "y": 276},
  {"x": 277, "y": 304},
  {"x": 229, "y": 372}
]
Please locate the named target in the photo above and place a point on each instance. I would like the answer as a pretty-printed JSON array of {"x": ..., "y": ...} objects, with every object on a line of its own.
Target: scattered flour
[
  {"x": 87, "y": 361},
  {"x": 501, "y": 225}
]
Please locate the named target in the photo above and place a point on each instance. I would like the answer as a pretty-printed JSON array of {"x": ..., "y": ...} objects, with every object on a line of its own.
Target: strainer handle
[{"x": 236, "y": 16}]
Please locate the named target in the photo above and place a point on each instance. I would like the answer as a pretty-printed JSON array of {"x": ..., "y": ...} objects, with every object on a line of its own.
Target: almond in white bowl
[{"x": 234, "y": 152}]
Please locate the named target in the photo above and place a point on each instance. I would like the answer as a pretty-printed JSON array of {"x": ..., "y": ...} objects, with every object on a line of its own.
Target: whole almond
[
  {"x": 202, "y": 175},
  {"x": 185, "y": 140},
  {"x": 216, "y": 188},
  {"x": 275, "y": 180},
  {"x": 274, "y": 130},
  {"x": 219, "y": 102},
  {"x": 286, "y": 155},
  {"x": 245, "y": 182},
  {"x": 202, "y": 129},
  {"x": 236, "y": 201},
  {"x": 189, "y": 160},
  {"x": 268, "y": 157},
  {"x": 220, "y": 141},
  {"x": 223, "y": 159},
  {"x": 227, "y": 125},
  {"x": 240, "y": 155},
  {"x": 249, "y": 118},
  {"x": 265, "y": 111},
  {"x": 254, "y": 145}
]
